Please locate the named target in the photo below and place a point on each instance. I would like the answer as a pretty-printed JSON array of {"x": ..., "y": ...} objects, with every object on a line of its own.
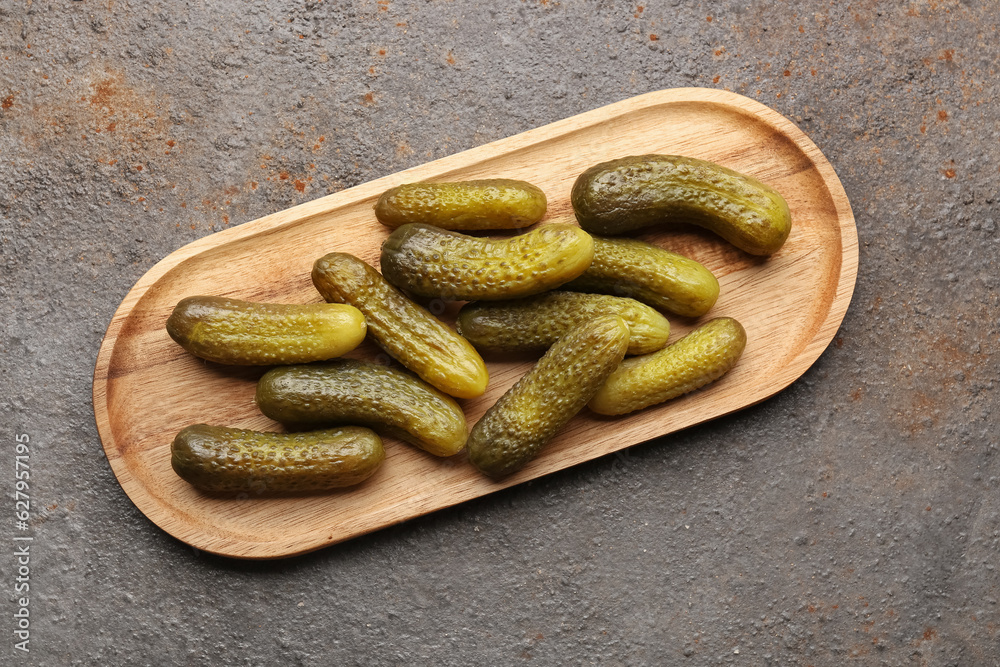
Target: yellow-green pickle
[
  {"x": 632, "y": 192},
  {"x": 407, "y": 331},
  {"x": 642, "y": 271},
  {"x": 515, "y": 429},
  {"x": 348, "y": 391},
  {"x": 439, "y": 263},
  {"x": 701, "y": 357},
  {"x": 498, "y": 203},
  {"x": 232, "y": 331},
  {"x": 537, "y": 322},
  {"x": 234, "y": 460}
]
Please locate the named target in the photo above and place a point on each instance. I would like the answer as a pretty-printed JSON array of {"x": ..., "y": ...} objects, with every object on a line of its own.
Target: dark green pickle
[
  {"x": 348, "y": 391},
  {"x": 498, "y": 203},
  {"x": 404, "y": 329},
  {"x": 232, "y": 331},
  {"x": 537, "y": 322},
  {"x": 701, "y": 357},
  {"x": 657, "y": 277},
  {"x": 234, "y": 460},
  {"x": 515, "y": 429},
  {"x": 437, "y": 263},
  {"x": 633, "y": 192}
]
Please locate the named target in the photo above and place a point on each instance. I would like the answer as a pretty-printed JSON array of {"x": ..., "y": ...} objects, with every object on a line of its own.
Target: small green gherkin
[
  {"x": 537, "y": 322},
  {"x": 657, "y": 277},
  {"x": 618, "y": 196},
  {"x": 438, "y": 263},
  {"x": 232, "y": 331},
  {"x": 404, "y": 329},
  {"x": 233, "y": 460},
  {"x": 701, "y": 357},
  {"x": 514, "y": 430},
  {"x": 348, "y": 391},
  {"x": 498, "y": 203}
]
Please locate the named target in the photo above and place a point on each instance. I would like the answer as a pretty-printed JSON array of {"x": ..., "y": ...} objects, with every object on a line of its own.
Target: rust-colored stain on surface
[
  {"x": 104, "y": 94},
  {"x": 8, "y": 102},
  {"x": 402, "y": 150},
  {"x": 119, "y": 120}
]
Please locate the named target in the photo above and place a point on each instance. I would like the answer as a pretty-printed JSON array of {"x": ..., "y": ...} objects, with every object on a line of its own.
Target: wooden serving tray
[{"x": 146, "y": 388}]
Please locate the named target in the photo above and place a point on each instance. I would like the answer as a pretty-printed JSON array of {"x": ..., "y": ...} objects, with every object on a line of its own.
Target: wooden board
[{"x": 146, "y": 388}]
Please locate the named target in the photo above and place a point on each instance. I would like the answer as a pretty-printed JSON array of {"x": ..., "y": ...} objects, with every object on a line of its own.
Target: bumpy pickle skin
[
  {"x": 629, "y": 193},
  {"x": 439, "y": 263},
  {"x": 537, "y": 322},
  {"x": 515, "y": 429},
  {"x": 234, "y": 460},
  {"x": 657, "y": 277},
  {"x": 231, "y": 331},
  {"x": 348, "y": 391},
  {"x": 408, "y": 332},
  {"x": 498, "y": 203},
  {"x": 701, "y": 357}
]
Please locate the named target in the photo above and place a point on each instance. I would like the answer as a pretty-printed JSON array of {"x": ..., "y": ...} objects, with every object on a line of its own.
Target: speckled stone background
[{"x": 852, "y": 519}]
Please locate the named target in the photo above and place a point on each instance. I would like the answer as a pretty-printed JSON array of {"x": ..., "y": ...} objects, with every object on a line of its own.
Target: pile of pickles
[{"x": 579, "y": 296}]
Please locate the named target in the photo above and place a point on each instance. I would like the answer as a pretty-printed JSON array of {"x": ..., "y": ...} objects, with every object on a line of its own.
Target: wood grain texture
[{"x": 146, "y": 388}]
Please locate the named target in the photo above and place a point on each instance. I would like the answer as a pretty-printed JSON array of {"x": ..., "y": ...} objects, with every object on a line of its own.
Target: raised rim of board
[{"x": 466, "y": 159}]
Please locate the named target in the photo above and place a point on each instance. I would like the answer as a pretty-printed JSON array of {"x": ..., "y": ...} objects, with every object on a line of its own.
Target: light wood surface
[{"x": 146, "y": 388}]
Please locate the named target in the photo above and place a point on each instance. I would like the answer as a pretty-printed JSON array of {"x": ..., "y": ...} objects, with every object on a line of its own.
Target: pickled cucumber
[
  {"x": 408, "y": 332},
  {"x": 433, "y": 262},
  {"x": 536, "y": 322},
  {"x": 704, "y": 355},
  {"x": 231, "y": 331},
  {"x": 221, "y": 459},
  {"x": 660, "y": 278},
  {"x": 358, "y": 392},
  {"x": 632, "y": 192},
  {"x": 497, "y": 203},
  {"x": 514, "y": 430}
]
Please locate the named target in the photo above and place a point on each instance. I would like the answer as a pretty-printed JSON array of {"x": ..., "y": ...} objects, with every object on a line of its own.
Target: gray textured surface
[{"x": 853, "y": 518}]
